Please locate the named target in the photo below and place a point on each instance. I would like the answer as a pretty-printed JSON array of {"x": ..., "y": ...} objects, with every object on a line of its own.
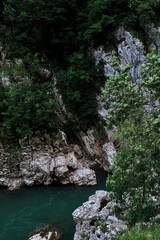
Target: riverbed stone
[
  {"x": 46, "y": 235},
  {"x": 15, "y": 184}
]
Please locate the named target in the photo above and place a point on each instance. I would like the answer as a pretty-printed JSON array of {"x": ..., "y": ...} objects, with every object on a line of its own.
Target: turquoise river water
[{"x": 22, "y": 212}]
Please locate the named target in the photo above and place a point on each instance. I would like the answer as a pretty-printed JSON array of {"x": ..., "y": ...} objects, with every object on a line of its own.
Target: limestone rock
[
  {"x": 109, "y": 152},
  {"x": 131, "y": 51},
  {"x": 41, "y": 160},
  {"x": 61, "y": 171},
  {"x": 77, "y": 151},
  {"x": 15, "y": 184},
  {"x": 5, "y": 82},
  {"x": 107, "y": 58},
  {"x": 91, "y": 144},
  {"x": 44, "y": 74},
  {"x": 96, "y": 218},
  {"x": 46, "y": 234},
  {"x": 84, "y": 177},
  {"x": 72, "y": 160},
  {"x": 4, "y": 181},
  {"x": 39, "y": 237}
]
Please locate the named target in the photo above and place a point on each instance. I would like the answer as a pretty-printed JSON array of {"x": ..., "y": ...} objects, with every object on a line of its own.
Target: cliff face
[
  {"x": 130, "y": 50},
  {"x": 43, "y": 160}
]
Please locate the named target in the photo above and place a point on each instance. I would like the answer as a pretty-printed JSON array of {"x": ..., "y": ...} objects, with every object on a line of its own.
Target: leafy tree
[
  {"x": 29, "y": 108},
  {"x": 64, "y": 33},
  {"x": 78, "y": 85},
  {"x": 136, "y": 170},
  {"x": 44, "y": 26}
]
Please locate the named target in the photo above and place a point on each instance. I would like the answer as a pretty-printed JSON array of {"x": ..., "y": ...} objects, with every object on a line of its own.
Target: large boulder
[
  {"x": 72, "y": 160},
  {"x": 84, "y": 177},
  {"x": 61, "y": 169},
  {"x": 96, "y": 219}
]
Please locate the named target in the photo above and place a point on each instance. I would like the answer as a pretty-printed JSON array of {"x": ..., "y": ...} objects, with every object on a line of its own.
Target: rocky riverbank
[
  {"x": 96, "y": 218},
  {"x": 44, "y": 160}
]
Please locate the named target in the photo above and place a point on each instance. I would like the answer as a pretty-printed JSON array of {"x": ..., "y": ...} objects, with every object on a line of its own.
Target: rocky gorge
[{"x": 44, "y": 159}]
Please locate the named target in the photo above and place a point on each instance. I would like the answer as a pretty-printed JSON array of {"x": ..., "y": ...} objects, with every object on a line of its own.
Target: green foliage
[
  {"x": 151, "y": 69},
  {"x": 134, "y": 112},
  {"x": 41, "y": 25},
  {"x": 78, "y": 85},
  {"x": 137, "y": 233},
  {"x": 29, "y": 108},
  {"x": 122, "y": 97},
  {"x": 65, "y": 32},
  {"x": 104, "y": 16},
  {"x": 59, "y": 28},
  {"x": 84, "y": 236}
]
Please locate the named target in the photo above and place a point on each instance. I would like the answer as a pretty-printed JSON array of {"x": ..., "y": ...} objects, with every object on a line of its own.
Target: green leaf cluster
[
  {"x": 134, "y": 110},
  {"x": 29, "y": 108},
  {"x": 78, "y": 85},
  {"x": 142, "y": 233}
]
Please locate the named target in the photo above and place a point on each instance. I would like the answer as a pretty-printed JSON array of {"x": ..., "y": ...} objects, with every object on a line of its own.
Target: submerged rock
[{"x": 46, "y": 233}]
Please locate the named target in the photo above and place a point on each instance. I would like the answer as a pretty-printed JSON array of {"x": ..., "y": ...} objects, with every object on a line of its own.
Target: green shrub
[
  {"x": 78, "y": 85},
  {"x": 29, "y": 108},
  {"x": 136, "y": 233}
]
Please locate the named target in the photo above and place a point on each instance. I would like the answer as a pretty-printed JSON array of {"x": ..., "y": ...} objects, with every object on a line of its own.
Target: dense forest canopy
[
  {"x": 63, "y": 34},
  {"x": 59, "y": 28}
]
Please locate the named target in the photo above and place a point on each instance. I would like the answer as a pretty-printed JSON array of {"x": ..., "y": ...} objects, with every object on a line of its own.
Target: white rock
[
  {"x": 84, "y": 177},
  {"x": 41, "y": 160},
  {"x": 109, "y": 151},
  {"x": 60, "y": 161},
  {"x": 15, "y": 184},
  {"x": 3, "y": 55},
  {"x": 52, "y": 165},
  {"x": 72, "y": 160},
  {"x": 4, "y": 181},
  {"x": 90, "y": 143},
  {"x": 61, "y": 171},
  {"x": 6, "y": 82},
  {"x": 28, "y": 182},
  {"x": 95, "y": 218},
  {"x": 39, "y": 237}
]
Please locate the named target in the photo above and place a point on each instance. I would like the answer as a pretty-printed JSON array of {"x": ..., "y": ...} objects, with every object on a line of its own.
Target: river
[{"x": 23, "y": 211}]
